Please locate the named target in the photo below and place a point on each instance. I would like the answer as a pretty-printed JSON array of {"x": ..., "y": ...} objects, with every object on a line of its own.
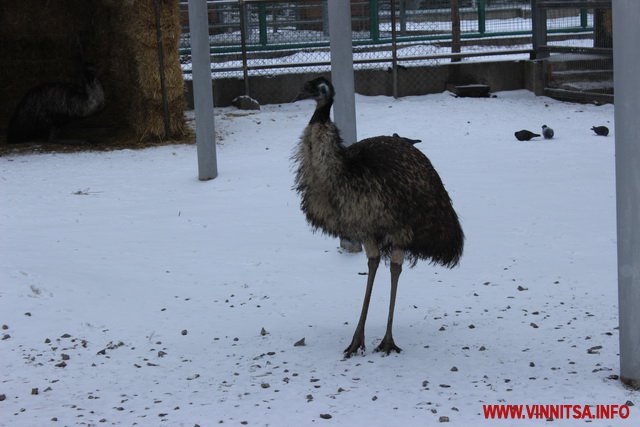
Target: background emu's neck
[{"x": 323, "y": 112}]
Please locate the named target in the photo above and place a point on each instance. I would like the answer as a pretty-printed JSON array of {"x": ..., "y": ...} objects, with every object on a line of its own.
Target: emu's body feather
[
  {"x": 49, "y": 106},
  {"x": 381, "y": 189}
]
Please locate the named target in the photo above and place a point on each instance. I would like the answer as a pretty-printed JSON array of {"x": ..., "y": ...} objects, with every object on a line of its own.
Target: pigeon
[
  {"x": 600, "y": 130},
  {"x": 525, "y": 135},
  {"x": 409, "y": 140},
  {"x": 547, "y": 132}
]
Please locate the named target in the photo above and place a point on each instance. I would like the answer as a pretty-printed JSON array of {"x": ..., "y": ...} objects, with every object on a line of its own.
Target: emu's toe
[
  {"x": 387, "y": 346},
  {"x": 357, "y": 343}
]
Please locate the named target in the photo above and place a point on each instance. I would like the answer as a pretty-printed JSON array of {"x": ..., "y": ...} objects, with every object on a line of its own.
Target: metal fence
[
  {"x": 580, "y": 68},
  {"x": 257, "y": 37}
]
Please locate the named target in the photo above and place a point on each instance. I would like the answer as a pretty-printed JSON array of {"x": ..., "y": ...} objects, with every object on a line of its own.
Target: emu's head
[{"x": 319, "y": 89}]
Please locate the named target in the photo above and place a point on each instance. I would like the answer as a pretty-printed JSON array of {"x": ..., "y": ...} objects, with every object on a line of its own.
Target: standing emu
[
  {"x": 49, "y": 106},
  {"x": 381, "y": 191}
]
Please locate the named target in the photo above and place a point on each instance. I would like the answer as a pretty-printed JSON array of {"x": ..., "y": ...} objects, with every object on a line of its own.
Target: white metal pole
[
  {"x": 344, "y": 106},
  {"x": 202, "y": 89},
  {"x": 344, "y": 110},
  {"x": 626, "y": 65}
]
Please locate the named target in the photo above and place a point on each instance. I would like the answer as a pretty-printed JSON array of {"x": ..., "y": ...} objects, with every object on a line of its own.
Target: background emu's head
[{"x": 319, "y": 89}]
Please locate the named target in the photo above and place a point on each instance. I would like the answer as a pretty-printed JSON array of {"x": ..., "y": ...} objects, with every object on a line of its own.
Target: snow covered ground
[{"x": 133, "y": 294}]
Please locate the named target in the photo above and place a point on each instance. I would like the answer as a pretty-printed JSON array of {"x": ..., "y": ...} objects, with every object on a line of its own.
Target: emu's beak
[{"x": 303, "y": 95}]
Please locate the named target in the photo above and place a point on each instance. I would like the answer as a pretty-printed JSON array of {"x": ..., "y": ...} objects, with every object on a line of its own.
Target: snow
[{"x": 157, "y": 286}]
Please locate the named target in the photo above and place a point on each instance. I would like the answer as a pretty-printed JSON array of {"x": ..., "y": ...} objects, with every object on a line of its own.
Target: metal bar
[
  {"x": 455, "y": 28},
  {"x": 243, "y": 45},
  {"x": 539, "y": 29},
  {"x": 202, "y": 90},
  {"x": 342, "y": 68},
  {"x": 626, "y": 65},
  {"x": 584, "y": 22},
  {"x": 374, "y": 60},
  {"x": 262, "y": 23},
  {"x": 569, "y": 49},
  {"x": 374, "y": 23},
  {"x": 394, "y": 50},
  {"x": 386, "y": 40},
  {"x": 403, "y": 17},
  {"x": 163, "y": 83},
  {"x": 482, "y": 16},
  {"x": 569, "y": 4},
  {"x": 344, "y": 111}
]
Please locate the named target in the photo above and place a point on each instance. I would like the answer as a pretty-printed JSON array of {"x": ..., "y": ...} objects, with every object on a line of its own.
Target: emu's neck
[
  {"x": 320, "y": 155},
  {"x": 323, "y": 112}
]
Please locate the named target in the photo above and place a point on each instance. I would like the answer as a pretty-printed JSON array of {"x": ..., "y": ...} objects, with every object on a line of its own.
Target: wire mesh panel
[{"x": 262, "y": 38}]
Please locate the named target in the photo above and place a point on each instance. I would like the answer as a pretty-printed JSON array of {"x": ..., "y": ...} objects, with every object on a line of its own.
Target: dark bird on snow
[
  {"x": 49, "y": 106},
  {"x": 381, "y": 191},
  {"x": 600, "y": 130},
  {"x": 409, "y": 140},
  {"x": 525, "y": 135},
  {"x": 547, "y": 132}
]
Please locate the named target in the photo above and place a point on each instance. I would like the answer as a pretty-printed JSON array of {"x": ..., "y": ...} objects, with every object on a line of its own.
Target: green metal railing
[{"x": 374, "y": 37}]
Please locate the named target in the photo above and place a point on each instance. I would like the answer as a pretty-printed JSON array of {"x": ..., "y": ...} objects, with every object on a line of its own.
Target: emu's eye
[{"x": 323, "y": 88}]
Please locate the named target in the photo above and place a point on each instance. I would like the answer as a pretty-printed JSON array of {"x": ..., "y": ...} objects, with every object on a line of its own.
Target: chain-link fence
[{"x": 257, "y": 37}]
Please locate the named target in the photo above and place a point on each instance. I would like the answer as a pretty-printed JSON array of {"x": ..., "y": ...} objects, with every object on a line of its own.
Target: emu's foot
[
  {"x": 357, "y": 343},
  {"x": 387, "y": 345}
]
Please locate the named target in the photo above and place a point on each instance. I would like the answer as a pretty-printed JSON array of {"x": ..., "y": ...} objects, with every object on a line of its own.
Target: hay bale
[{"x": 137, "y": 68}]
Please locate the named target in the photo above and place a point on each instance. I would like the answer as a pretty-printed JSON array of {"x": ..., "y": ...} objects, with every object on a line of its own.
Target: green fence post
[
  {"x": 482, "y": 16},
  {"x": 583, "y": 17},
  {"x": 374, "y": 22},
  {"x": 262, "y": 22}
]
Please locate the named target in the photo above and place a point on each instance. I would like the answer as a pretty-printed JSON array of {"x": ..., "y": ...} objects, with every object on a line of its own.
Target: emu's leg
[
  {"x": 387, "y": 344},
  {"x": 357, "y": 343}
]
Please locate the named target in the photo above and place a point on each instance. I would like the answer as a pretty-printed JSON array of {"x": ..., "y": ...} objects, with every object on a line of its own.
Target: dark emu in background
[
  {"x": 49, "y": 106},
  {"x": 381, "y": 191}
]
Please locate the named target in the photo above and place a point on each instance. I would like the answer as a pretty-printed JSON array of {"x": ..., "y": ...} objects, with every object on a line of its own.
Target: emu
[
  {"x": 47, "y": 107},
  {"x": 381, "y": 191}
]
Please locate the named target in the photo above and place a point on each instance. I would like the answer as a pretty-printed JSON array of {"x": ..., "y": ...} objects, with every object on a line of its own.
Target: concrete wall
[{"x": 499, "y": 75}]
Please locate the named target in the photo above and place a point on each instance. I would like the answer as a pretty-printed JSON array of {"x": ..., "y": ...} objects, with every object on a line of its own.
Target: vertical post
[
  {"x": 626, "y": 66},
  {"x": 403, "y": 17},
  {"x": 583, "y": 17},
  {"x": 374, "y": 22},
  {"x": 539, "y": 30},
  {"x": 342, "y": 69},
  {"x": 202, "y": 89},
  {"x": 262, "y": 23},
  {"x": 482, "y": 16},
  {"x": 163, "y": 83},
  {"x": 394, "y": 49},
  {"x": 344, "y": 111},
  {"x": 602, "y": 31},
  {"x": 325, "y": 17},
  {"x": 455, "y": 28},
  {"x": 243, "y": 47}
]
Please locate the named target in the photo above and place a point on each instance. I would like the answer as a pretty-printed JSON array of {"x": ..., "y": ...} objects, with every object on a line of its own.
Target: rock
[
  {"x": 245, "y": 102},
  {"x": 299, "y": 343}
]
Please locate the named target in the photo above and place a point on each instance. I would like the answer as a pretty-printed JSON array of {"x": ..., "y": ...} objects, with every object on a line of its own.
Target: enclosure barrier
[
  {"x": 258, "y": 37},
  {"x": 599, "y": 11}
]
